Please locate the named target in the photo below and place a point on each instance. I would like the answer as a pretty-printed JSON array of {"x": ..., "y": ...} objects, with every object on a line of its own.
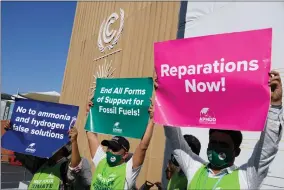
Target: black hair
[
  {"x": 236, "y": 136},
  {"x": 194, "y": 143}
]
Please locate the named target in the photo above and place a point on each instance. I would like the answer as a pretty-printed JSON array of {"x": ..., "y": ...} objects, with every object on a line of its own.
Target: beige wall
[{"x": 144, "y": 23}]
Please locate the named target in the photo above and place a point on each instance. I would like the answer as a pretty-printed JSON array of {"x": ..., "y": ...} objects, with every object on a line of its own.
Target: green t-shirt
[
  {"x": 47, "y": 177},
  {"x": 202, "y": 181},
  {"x": 177, "y": 182},
  {"x": 108, "y": 178}
]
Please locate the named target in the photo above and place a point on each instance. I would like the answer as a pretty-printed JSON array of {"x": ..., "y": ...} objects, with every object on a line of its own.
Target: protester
[
  {"x": 112, "y": 170},
  {"x": 174, "y": 173},
  {"x": 62, "y": 173},
  {"x": 224, "y": 147}
]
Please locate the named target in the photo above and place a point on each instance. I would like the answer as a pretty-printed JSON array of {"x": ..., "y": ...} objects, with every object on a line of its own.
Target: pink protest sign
[{"x": 217, "y": 81}]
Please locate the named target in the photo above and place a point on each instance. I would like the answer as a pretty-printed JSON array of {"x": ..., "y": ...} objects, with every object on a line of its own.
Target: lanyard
[{"x": 219, "y": 180}]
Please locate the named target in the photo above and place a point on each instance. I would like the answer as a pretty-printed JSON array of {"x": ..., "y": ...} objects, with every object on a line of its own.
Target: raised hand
[
  {"x": 7, "y": 126},
  {"x": 73, "y": 133},
  {"x": 276, "y": 88},
  {"x": 89, "y": 105}
]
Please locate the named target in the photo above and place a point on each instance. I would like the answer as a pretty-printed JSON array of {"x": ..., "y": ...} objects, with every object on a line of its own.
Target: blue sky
[{"x": 35, "y": 41}]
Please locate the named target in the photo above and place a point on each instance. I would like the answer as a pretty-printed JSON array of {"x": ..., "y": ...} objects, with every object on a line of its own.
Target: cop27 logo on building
[
  {"x": 108, "y": 37},
  {"x": 207, "y": 116}
]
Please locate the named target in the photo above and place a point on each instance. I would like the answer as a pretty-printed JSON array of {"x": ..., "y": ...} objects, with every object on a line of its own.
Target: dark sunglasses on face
[{"x": 114, "y": 149}]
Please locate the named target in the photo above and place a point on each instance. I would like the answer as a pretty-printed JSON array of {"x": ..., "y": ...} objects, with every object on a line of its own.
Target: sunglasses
[
  {"x": 114, "y": 149},
  {"x": 117, "y": 149}
]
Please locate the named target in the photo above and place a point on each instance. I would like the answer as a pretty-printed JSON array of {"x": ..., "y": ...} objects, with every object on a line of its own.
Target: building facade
[{"x": 116, "y": 39}]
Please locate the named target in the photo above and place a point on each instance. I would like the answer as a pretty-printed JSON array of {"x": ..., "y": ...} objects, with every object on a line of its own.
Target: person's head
[
  {"x": 223, "y": 147},
  {"x": 195, "y": 146},
  {"x": 193, "y": 143},
  {"x": 117, "y": 150}
]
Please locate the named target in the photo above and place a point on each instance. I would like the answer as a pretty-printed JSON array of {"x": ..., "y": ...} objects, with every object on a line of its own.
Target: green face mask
[
  {"x": 219, "y": 158},
  {"x": 113, "y": 159}
]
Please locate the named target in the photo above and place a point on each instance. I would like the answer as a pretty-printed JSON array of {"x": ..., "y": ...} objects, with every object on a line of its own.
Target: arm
[
  {"x": 133, "y": 166},
  {"x": 265, "y": 149},
  {"x": 140, "y": 152},
  {"x": 267, "y": 146},
  {"x": 78, "y": 172},
  {"x": 97, "y": 152},
  {"x": 94, "y": 142},
  {"x": 93, "y": 139},
  {"x": 188, "y": 161},
  {"x": 75, "y": 155}
]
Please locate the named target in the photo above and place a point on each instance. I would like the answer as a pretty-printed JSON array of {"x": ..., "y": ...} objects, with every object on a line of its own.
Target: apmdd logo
[
  {"x": 207, "y": 116},
  {"x": 116, "y": 128},
  {"x": 31, "y": 148}
]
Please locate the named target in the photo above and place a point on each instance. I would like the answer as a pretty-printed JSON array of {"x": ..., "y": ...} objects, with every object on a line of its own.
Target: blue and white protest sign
[{"x": 39, "y": 128}]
